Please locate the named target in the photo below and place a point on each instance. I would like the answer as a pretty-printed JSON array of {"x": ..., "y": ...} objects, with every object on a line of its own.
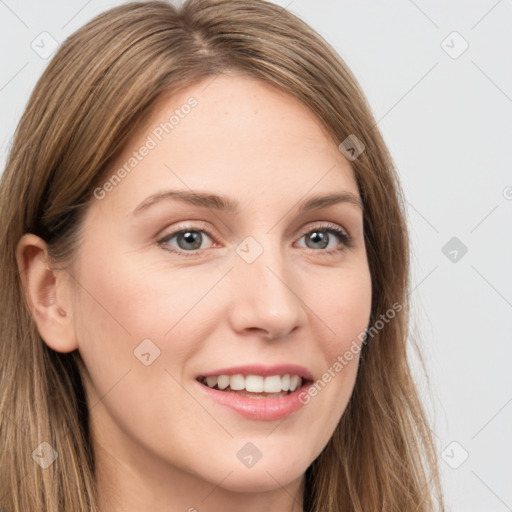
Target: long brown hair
[{"x": 100, "y": 85}]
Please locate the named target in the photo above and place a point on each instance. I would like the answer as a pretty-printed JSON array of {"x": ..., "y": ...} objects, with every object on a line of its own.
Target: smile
[
  {"x": 257, "y": 392},
  {"x": 255, "y": 384}
]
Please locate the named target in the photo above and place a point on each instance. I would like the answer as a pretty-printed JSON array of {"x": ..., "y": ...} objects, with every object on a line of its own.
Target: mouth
[
  {"x": 255, "y": 386},
  {"x": 257, "y": 392}
]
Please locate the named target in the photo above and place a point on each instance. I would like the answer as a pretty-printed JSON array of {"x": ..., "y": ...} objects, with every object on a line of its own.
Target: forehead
[{"x": 233, "y": 135}]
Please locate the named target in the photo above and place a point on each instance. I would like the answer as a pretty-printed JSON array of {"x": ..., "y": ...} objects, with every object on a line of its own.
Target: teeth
[
  {"x": 211, "y": 381},
  {"x": 237, "y": 382},
  {"x": 223, "y": 381},
  {"x": 294, "y": 382},
  {"x": 255, "y": 383},
  {"x": 272, "y": 384}
]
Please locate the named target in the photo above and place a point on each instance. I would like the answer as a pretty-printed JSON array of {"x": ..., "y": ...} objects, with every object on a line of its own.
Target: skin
[{"x": 161, "y": 445}]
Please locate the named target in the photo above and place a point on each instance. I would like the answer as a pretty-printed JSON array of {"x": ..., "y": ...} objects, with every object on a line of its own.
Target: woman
[{"x": 205, "y": 277}]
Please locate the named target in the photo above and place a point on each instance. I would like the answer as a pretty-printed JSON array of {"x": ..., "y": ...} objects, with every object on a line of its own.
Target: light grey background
[{"x": 448, "y": 122}]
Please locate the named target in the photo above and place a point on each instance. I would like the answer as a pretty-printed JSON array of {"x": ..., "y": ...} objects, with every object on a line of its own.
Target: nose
[{"x": 266, "y": 297}]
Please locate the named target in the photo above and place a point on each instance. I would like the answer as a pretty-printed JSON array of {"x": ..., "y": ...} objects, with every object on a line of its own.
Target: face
[{"x": 230, "y": 248}]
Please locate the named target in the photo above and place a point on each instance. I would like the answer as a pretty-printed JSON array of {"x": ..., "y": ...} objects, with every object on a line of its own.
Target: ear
[{"x": 47, "y": 293}]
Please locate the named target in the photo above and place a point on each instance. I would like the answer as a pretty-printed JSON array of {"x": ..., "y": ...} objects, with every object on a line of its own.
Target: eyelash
[{"x": 345, "y": 239}]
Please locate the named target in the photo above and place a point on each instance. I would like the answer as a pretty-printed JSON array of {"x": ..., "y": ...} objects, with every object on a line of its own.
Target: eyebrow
[{"x": 223, "y": 203}]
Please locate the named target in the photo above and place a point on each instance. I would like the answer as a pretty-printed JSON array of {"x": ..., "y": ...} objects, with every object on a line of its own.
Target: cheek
[
  {"x": 121, "y": 305},
  {"x": 344, "y": 308}
]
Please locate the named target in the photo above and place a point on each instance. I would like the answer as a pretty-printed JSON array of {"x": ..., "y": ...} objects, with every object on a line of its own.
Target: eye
[
  {"x": 327, "y": 238},
  {"x": 187, "y": 240},
  {"x": 190, "y": 241}
]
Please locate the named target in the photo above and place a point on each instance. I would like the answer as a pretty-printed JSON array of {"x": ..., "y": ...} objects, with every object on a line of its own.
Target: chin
[
  {"x": 275, "y": 469},
  {"x": 255, "y": 480}
]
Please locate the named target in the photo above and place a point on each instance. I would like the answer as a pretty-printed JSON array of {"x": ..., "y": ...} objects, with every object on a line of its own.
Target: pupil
[
  {"x": 191, "y": 238},
  {"x": 319, "y": 238}
]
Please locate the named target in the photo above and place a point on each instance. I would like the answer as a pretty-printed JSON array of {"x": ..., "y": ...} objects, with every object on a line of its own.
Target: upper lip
[{"x": 264, "y": 371}]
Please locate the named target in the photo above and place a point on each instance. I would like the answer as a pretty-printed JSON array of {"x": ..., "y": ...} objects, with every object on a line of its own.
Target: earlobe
[{"x": 47, "y": 294}]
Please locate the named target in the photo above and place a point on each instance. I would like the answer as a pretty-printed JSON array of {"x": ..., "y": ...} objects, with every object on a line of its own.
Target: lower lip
[{"x": 262, "y": 409}]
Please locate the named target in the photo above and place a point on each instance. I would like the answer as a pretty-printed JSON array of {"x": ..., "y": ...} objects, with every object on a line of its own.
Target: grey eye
[
  {"x": 187, "y": 240},
  {"x": 318, "y": 239}
]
